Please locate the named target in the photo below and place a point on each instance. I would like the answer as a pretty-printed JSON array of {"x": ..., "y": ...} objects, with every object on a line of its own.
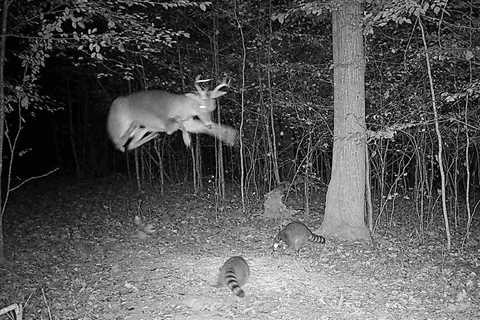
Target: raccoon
[
  {"x": 234, "y": 274},
  {"x": 143, "y": 230},
  {"x": 294, "y": 236}
]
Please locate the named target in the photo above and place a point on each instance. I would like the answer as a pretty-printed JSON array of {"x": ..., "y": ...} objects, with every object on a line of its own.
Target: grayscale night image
[{"x": 243, "y": 159}]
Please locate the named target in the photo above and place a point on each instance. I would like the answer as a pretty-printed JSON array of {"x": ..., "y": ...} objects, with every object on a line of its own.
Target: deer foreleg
[{"x": 224, "y": 133}]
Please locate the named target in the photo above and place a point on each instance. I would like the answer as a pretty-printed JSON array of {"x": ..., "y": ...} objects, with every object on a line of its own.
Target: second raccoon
[
  {"x": 234, "y": 274},
  {"x": 294, "y": 236}
]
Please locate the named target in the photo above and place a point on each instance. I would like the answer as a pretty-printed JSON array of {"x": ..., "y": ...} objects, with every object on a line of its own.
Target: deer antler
[{"x": 224, "y": 83}]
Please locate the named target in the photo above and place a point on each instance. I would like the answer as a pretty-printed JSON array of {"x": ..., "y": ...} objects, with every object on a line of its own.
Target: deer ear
[{"x": 194, "y": 96}]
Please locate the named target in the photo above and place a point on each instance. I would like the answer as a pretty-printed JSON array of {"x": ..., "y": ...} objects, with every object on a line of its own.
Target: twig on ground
[
  {"x": 46, "y": 303},
  {"x": 33, "y": 178}
]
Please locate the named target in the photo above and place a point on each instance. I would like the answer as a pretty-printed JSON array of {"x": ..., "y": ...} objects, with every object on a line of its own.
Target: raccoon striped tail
[
  {"x": 234, "y": 274},
  {"x": 316, "y": 238},
  {"x": 232, "y": 283}
]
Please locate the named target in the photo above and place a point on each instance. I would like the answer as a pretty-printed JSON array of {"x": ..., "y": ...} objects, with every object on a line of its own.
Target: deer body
[{"x": 138, "y": 118}]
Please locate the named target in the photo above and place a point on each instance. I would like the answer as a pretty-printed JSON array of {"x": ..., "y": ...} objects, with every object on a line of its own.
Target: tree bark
[{"x": 345, "y": 202}]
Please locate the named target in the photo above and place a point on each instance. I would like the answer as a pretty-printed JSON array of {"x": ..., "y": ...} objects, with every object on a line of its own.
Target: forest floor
[{"x": 74, "y": 255}]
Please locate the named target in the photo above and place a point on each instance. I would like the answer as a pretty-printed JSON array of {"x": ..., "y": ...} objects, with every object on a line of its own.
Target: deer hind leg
[
  {"x": 124, "y": 140},
  {"x": 140, "y": 137},
  {"x": 135, "y": 136}
]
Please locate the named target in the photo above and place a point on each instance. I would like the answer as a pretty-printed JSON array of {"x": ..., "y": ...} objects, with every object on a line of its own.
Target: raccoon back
[
  {"x": 234, "y": 273},
  {"x": 296, "y": 234}
]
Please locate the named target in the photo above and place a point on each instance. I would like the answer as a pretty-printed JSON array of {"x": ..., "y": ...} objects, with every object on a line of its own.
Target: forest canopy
[{"x": 77, "y": 56}]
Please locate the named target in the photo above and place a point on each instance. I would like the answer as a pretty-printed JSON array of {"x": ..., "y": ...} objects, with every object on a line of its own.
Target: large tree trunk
[{"x": 345, "y": 203}]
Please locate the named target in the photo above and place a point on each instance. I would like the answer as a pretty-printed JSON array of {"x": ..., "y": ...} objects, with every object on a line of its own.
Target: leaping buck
[{"x": 138, "y": 118}]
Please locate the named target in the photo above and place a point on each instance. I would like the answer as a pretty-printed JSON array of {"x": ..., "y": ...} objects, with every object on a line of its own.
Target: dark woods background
[{"x": 67, "y": 61}]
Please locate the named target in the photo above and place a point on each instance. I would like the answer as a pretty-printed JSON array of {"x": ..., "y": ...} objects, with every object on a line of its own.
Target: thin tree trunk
[
  {"x": 308, "y": 167},
  {"x": 368, "y": 190},
  {"x": 2, "y": 118},
  {"x": 137, "y": 169},
  {"x": 242, "y": 105},
  {"x": 273, "y": 142},
  {"x": 199, "y": 162},
  {"x": 220, "y": 171},
  {"x": 71, "y": 131},
  {"x": 467, "y": 138},
  {"x": 439, "y": 155},
  {"x": 194, "y": 167}
]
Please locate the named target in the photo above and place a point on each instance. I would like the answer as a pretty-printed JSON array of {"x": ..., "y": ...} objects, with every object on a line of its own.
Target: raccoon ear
[{"x": 137, "y": 220}]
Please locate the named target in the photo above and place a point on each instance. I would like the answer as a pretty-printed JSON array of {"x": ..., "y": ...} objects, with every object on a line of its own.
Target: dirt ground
[{"x": 75, "y": 255}]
